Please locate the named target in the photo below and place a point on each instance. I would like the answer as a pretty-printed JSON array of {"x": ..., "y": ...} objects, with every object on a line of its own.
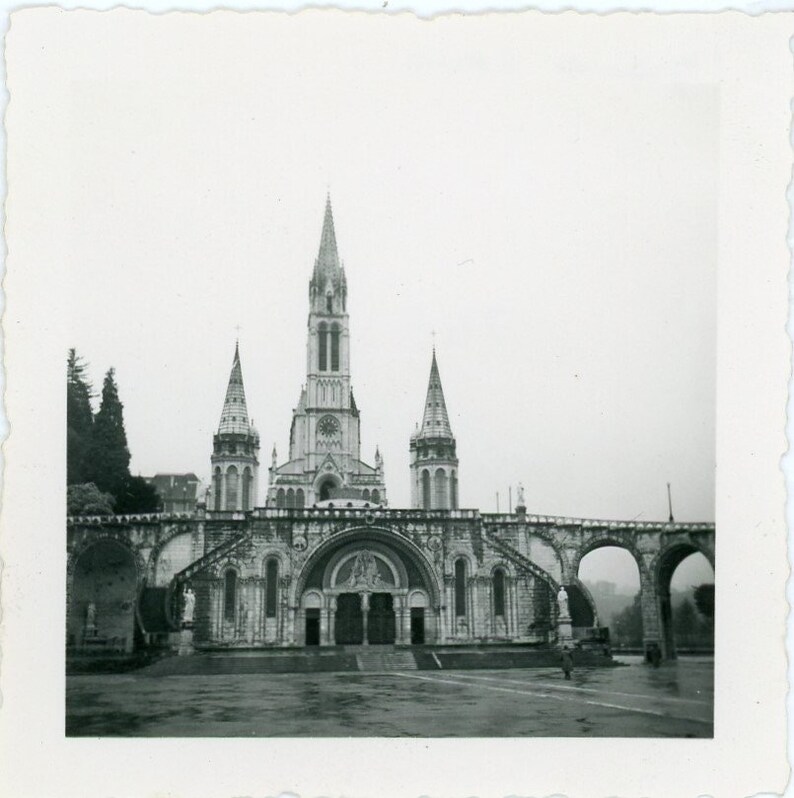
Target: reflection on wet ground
[{"x": 674, "y": 700}]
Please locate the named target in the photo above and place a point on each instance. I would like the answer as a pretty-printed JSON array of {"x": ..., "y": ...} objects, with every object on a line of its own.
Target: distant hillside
[{"x": 611, "y": 599}]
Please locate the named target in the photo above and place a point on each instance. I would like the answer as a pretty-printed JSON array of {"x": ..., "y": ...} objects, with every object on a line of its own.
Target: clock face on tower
[{"x": 328, "y": 427}]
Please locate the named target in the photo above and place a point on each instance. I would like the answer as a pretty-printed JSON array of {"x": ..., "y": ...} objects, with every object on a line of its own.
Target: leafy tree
[
  {"x": 109, "y": 464},
  {"x": 628, "y": 624},
  {"x": 704, "y": 600},
  {"x": 138, "y": 496},
  {"x": 87, "y": 499},
  {"x": 79, "y": 419}
]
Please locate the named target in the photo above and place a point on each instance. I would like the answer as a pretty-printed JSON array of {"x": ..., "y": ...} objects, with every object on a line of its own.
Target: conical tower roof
[
  {"x": 234, "y": 418},
  {"x": 435, "y": 423}
]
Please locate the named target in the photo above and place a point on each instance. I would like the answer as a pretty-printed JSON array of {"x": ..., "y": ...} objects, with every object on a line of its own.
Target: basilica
[{"x": 321, "y": 559}]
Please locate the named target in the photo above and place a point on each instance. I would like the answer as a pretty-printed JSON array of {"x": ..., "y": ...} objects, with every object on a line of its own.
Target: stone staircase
[
  {"x": 378, "y": 660},
  {"x": 524, "y": 563},
  {"x": 212, "y": 556}
]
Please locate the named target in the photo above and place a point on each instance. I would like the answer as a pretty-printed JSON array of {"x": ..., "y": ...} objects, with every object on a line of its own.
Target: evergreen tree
[
  {"x": 138, "y": 496},
  {"x": 79, "y": 419},
  {"x": 109, "y": 466}
]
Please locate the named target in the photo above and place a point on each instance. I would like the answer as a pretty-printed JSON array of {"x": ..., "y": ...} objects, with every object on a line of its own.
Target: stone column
[
  {"x": 365, "y": 616},
  {"x": 332, "y": 620},
  {"x": 250, "y": 619},
  {"x": 651, "y": 616},
  {"x": 325, "y": 623},
  {"x": 406, "y": 620},
  {"x": 215, "y": 612},
  {"x": 473, "y": 602},
  {"x": 291, "y": 631},
  {"x": 450, "y": 618},
  {"x": 510, "y": 598},
  {"x": 397, "y": 606}
]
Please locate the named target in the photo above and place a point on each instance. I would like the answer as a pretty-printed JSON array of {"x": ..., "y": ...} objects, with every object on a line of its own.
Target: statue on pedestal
[
  {"x": 520, "y": 502},
  {"x": 90, "y": 618},
  {"x": 189, "y": 606},
  {"x": 562, "y": 602}
]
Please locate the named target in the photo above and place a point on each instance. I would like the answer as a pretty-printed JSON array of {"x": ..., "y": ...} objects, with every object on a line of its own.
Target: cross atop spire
[
  {"x": 234, "y": 417},
  {"x": 435, "y": 423}
]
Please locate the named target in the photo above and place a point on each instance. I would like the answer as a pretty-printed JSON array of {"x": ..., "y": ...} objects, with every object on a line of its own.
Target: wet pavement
[{"x": 674, "y": 700}]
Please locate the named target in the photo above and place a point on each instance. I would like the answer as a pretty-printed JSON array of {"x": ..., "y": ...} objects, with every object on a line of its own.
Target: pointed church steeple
[
  {"x": 328, "y": 286},
  {"x": 434, "y": 460},
  {"x": 328, "y": 256},
  {"x": 235, "y": 449},
  {"x": 325, "y": 434},
  {"x": 234, "y": 417},
  {"x": 435, "y": 422}
]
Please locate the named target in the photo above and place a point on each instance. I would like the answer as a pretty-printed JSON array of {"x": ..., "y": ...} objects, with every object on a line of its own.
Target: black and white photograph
[{"x": 384, "y": 381}]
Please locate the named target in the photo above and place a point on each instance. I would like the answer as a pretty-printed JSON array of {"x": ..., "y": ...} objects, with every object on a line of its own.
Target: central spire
[
  {"x": 327, "y": 262},
  {"x": 328, "y": 286}
]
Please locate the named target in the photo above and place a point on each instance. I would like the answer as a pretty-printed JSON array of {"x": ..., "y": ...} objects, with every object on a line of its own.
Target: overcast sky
[{"x": 552, "y": 220}]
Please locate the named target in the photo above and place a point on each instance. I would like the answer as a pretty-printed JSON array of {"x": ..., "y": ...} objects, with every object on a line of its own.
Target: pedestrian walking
[
  {"x": 566, "y": 660},
  {"x": 655, "y": 655}
]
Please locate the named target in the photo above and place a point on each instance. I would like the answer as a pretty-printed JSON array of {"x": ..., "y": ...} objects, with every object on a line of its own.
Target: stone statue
[
  {"x": 189, "y": 606},
  {"x": 562, "y": 601},
  {"x": 365, "y": 571},
  {"x": 520, "y": 496},
  {"x": 90, "y": 616}
]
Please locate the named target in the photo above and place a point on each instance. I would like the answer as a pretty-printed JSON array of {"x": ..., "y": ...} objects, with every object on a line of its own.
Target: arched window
[
  {"x": 325, "y": 490},
  {"x": 441, "y": 489},
  {"x": 217, "y": 480},
  {"x": 271, "y": 588},
  {"x": 453, "y": 490},
  {"x": 335, "y": 347},
  {"x": 290, "y": 499},
  {"x": 300, "y": 498},
  {"x": 499, "y": 592},
  {"x": 280, "y": 498},
  {"x": 425, "y": 489},
  {"x": 231, "y": 488},
  {"x": 460, "y": 587},
  {"x": 247, "y": 479},
  {"x": 229, "y": 594},
  {"x": 322, "y": 337},
  {"x": 375, "y": 496},
  {"x": 365, "y": 494}
]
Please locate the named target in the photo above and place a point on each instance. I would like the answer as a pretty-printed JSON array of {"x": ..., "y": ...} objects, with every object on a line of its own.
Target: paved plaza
[{"x": 675, "y": 700}]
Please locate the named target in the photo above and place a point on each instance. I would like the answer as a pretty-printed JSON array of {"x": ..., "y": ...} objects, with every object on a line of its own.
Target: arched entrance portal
[
  {"x": 104, "y": 589},
  {"x": 366, "y": 591}
]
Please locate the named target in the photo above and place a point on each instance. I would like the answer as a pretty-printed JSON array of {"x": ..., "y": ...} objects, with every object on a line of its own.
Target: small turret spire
[
  {"x": 435, "y": 422},
  {"x": 234, "y": 417}
]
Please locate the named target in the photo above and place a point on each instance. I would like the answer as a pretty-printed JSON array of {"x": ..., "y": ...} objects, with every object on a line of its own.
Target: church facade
[{"x": 323, "y": 560}]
